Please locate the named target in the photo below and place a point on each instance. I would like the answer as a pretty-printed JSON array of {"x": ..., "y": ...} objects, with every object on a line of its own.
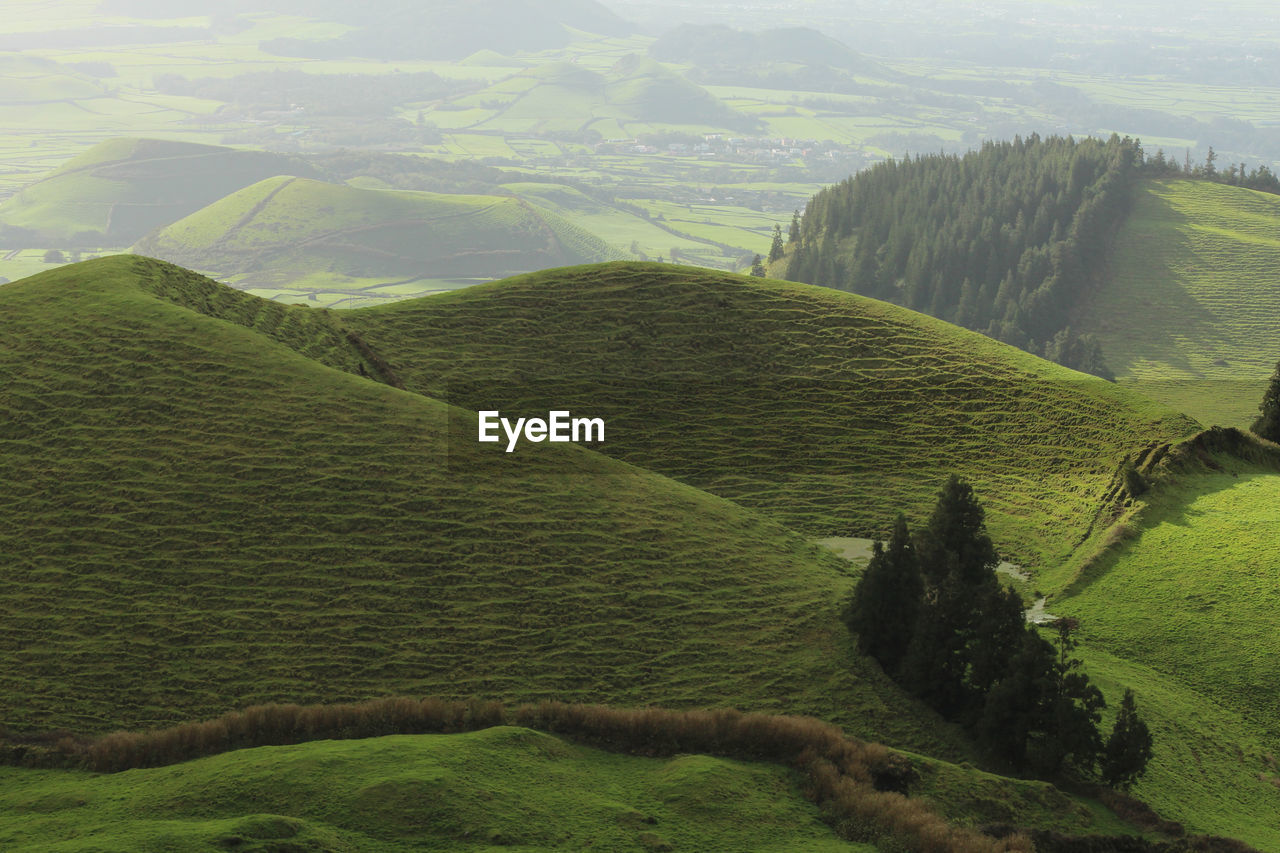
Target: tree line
[
  {"x": 930, "y": 609},
  {"x": 1003, "y": 240}
]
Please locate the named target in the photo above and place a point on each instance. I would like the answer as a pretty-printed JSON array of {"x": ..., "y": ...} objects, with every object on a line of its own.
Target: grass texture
[
  {"x": 284, "y": 232},
  {"x": 1190, "y": 314},
  {"x": 828, "y": 411},
  {"x": 200, "y": 513},
  {"x": 501, "y": 788}
]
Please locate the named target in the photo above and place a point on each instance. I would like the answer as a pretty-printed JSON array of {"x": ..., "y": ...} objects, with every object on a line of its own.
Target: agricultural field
[{"x": 1191, "y": 310}]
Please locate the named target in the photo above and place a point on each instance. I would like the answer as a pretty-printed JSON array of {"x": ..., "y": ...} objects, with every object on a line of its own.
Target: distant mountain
[
  {"x": 449, "y": 29},
  {"x": 120, "y": 189},
  {"x": 283, "y": 231},
  {"x": 716, "y": 46}
]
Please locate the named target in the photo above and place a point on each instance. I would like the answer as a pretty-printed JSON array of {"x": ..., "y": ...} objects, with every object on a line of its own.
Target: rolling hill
[
  {"x": 305, "y": 235},
  {"x": 828, "y": 411},
  {"x": 209, "y": 503},
  {"x": 119, "y": 190},
  {"x": 491, "y": 789},
  {"x": 636, "y": 93},
  {"x": 1189, "y": 313}
]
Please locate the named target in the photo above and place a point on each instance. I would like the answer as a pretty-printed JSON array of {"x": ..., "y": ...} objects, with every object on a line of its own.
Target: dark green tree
[
  {"x": 886, "y": 602},
  {"x": 1125, "y": 757},
  {"x": 757, "y": 267},
  {"x": 793, "y": 236},
  {"x": 776, "y": 250},
  {"x": 955, "y": 540},
  {"x": 1268, "y": 423},
  {"x": 53, "y": 256}
]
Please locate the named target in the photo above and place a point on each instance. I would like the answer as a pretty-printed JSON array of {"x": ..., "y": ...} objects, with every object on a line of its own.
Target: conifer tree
[
  {"x": 793, "y": 236},
  {"x": 776, "y": 250},
  {"x": 886, "y": 601},
  {"x": 757, "y": 267},
  {"x": 1125, "y": 757},
  {"x": 1268, "y": 423}
]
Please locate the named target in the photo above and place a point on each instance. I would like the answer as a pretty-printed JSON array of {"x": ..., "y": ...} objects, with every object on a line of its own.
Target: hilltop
[
  {"x": 488, "y": 789},
  {"x": 313, "y": 236},
  {"x": 120, "y": 189},
  {"x": 828, "y": 411},
  {"x": 635, "y": 90},
  {"x": 210, "y": 504},
  {"x": 1189, "y": 313}
]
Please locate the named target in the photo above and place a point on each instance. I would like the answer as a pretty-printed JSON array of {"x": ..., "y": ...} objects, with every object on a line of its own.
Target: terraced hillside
[
  {"x": 309, "y": 236},
  {"x": 826, "y": 410},
  {"x": 1190, "y": 313},
  {"x": 119, "y": 190},
  {"x": 487, "y": 790},
  {"x": 203, "y": 515}
]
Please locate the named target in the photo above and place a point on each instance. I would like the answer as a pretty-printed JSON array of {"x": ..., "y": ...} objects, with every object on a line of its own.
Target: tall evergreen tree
[
  {"x": 886, "y": 602},
  {"x": 793, "y": 236},
  {"x": 1125, "y": 757},
  {"x": 1268, "y": 423},
  {"x": 776, "y": 250},
  {"x": 757, "y": 267}
]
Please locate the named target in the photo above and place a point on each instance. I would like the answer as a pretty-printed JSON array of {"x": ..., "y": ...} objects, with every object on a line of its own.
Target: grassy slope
[
  {"x": 1183, "y": 610},
  {"x": 123, "y": 188},
  {"x": 204, "y": 515},
  {"x": 1191, "y": 312},
  {"x": 498, "y": 789},
  {"x": 826, "y": 410},
  {"x": 279, "y": 232}
]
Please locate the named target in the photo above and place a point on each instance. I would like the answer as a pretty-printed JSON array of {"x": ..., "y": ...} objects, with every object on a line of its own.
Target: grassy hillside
[
  {"x": 119, "y": 190},
  {"x": 308, "y": 235},
  {"x": 494, "y": 789},
  {"x": 207, "y": 516},
  {"x": 826, "y": 410},
  {"x": 1182, "y": 608},
  {"x": 1190, "y": 313}
]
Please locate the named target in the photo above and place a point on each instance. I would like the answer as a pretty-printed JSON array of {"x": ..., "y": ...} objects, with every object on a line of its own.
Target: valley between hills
[{"x": 265, "y": 590}]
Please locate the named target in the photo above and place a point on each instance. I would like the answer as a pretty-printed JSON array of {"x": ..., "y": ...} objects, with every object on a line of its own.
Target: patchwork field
[
  {"x": 1190, "y": 314},
  {"x": 828, "y": 411}
]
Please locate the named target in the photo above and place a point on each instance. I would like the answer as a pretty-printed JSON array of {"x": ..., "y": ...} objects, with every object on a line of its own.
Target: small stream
[{"x": 859, "y": 551}]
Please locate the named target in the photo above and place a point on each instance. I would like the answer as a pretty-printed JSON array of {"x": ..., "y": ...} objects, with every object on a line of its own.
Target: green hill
[
  {"x": 636, "y": 92},
  {"x": 1190, "y": 312},
  {"x": 1182, "y": 607},
  {"x": 500, "y": 788},
  {"x": 305, "y": 235},
  {"x": 119, "y": 190},
  {"x": 828, "y": 411},
  {"x": 201, "y": 512}
]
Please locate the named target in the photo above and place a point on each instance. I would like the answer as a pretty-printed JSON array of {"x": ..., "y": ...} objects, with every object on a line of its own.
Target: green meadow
[
  {"x": 210, "y": 504},
  {"x": 830, "y": 412},
  {"x": 501, "y": 788},
  {"x": 1191, "y": 310}
]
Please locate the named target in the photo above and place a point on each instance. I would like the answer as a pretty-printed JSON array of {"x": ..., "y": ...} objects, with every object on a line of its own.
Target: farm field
[{"x": 1191, "y": 310}]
